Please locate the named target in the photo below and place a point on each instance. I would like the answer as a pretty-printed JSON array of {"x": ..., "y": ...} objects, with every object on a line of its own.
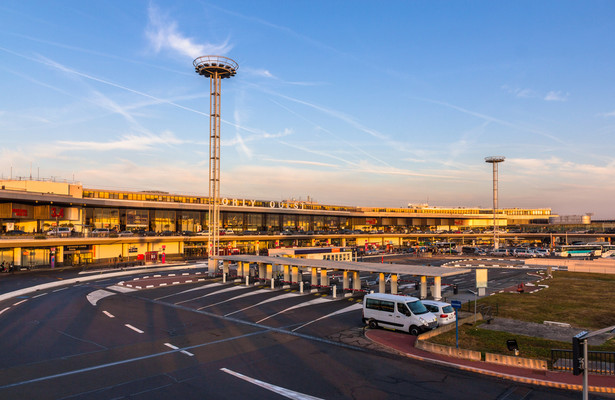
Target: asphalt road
[{"x": 96, "y": 340}]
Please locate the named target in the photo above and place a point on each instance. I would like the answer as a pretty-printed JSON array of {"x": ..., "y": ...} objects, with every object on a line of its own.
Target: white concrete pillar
[
  {"x": 324, "y": 279},
  {"x": 334, "y": 291},
  {"x": 286, "y": 275},
  {"x": 356, "y": 280},
  {"x": 381, "y": 283},
  {"x": 394, "y": 278},
  {"x": 212, "y": 265},
  {"x": 225, "y": 267},
  {"x": 269, "y": 272},
  {"x": 345, "y": 284},
  {"x": 314, "y": 282},
  {"x": 295, "y": 275},
  {"x": 301, "y": 287},
  {"x": 272, "y": 284},
  {"x": 343, "y": 242},
  {"x": 437, "y": 295},
  {"x": 247, "y": 280},
  {"x": 261, "y": 272},
  {"x": 423, "y": 287},
  {"x": 17, "y": 256}
]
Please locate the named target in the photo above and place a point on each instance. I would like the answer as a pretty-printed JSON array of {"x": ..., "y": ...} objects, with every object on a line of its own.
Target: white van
[{"x": 402, "y": 313}]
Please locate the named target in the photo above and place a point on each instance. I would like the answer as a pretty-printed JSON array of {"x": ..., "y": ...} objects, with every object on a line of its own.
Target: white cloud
[
  {"x": 163, "y": 34},
  {"x": 608, "y": 114},
  {"x": 556, "y": 96},
  {"x": 127, "y": 142}
]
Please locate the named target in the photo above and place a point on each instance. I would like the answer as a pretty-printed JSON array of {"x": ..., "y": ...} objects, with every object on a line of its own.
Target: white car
[
  {"x": 60, "y": 231},
  {"x": 524, "y": 253},
  {"x": 542, "y": 252},
  {"x": 444, "y": 312}
]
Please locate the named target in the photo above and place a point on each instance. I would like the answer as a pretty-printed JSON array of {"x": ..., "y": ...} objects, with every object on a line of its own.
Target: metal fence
[{"x": 600, "y": 362}]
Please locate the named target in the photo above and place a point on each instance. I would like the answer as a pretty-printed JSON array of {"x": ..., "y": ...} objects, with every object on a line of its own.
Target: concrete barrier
[
  {"x": 596, "y": 266},
  {"x": 512, "y": 361},
  {"x": 449, "y": 327},
  {"x": 448, "y": 351}
]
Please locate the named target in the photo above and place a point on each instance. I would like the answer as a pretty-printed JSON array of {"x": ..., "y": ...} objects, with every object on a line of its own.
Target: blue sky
[{"x": 348, "y": 102}]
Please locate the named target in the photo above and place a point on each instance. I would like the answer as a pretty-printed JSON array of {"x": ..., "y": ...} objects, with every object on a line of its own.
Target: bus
[{"x": 578, "y": 250}]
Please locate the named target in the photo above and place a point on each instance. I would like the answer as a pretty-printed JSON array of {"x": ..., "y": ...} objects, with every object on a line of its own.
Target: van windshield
[{"x": 417, "y": 307}]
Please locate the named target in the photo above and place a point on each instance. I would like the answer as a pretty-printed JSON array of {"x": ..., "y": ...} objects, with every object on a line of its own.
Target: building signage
[
  {"x": 272, "y": 204},
  {"x": 133, "y": 250},
  {"x": 78, "y": 247},
  {"x": 20, "y": 213},
  {"x": 371, "y": 221}
]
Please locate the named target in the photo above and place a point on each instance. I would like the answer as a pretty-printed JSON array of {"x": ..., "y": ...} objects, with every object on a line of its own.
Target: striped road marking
[
  {"x": 108, "y": 314},
  {"x": 291, "y": 394},
  {"x": 133, "y": 328},
  {"x": 177, "y": 348}
]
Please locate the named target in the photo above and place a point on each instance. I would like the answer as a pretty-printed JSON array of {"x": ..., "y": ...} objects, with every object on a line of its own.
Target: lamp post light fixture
[
  {"x": 495, "y": 160},
  {"x": 215, "y": 68}
]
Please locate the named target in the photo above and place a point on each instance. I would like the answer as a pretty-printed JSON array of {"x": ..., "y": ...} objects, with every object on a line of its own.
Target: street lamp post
[{"x": 495, "y": 160}]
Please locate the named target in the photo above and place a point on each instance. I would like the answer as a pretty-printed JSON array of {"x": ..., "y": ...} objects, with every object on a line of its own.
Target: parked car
[
  {"x": 167, "y": 233},
  {"x": 100, "y": 232},
  {"x": 524, "y": 253},
  {"x": 16, "y": 232},
  {"x": 143, "y": 232},
  {"x": 188, "y": 233},
  {"x": 444, "y": 312},
  {"x": 61, "y": 231},
  {"x": 126, "y": 233},
  {"x": 542, "y": 252},
  {"x": 202, "y": 233},
  {"x": 499, "y": 252}
]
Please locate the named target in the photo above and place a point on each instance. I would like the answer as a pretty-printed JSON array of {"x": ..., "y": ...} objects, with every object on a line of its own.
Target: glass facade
[
  {"x": 164, "y": 221},
  {"x": 190, "y": 221},
  {"x": 104, "y": 218},
  {"x": 137, "y": 219}
]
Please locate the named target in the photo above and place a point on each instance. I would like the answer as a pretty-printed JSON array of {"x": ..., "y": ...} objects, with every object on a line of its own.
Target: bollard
[
  {"x": 301, "y": 287},
  {"x": 247, "y": 281},
  {"x": 334, "y": 291},
  {"x": 272, "y": 284},
  {"x": 224, "y": 277}
]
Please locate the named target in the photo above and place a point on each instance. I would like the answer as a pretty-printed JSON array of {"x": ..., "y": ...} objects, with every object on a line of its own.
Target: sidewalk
[{"x": 404, "y": 344}]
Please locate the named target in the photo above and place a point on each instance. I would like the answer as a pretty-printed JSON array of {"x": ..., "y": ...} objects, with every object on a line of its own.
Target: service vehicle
[{"x": 403, "y": 313}]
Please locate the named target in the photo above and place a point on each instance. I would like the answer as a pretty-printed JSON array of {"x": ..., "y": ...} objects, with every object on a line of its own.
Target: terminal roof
[{"x": 409, "y": 269}]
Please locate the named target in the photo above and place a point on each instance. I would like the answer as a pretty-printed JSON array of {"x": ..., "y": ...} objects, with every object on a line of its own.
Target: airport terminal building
[{"x": 31, "y": 208}]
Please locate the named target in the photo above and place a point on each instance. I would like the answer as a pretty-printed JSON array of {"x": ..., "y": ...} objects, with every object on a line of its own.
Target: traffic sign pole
[{"x": 456, "y": 304}]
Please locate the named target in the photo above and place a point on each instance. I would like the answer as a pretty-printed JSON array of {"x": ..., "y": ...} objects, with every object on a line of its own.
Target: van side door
[{"x": 402, "y": 315}]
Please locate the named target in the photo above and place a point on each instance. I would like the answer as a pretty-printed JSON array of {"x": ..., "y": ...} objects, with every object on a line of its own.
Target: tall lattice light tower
[
  {"x": 495, "y": 160},
  {"x": 215, "y": 68}
]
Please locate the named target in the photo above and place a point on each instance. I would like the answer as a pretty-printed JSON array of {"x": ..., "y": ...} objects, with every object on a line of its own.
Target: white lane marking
[
  {"x": 4, "y": 310},
  {"x": 189, "y": 290},
  {"x": 291, "y": 394},
  {"x": 108, "y": 314},
  {"x": 121, "y": 289},
  {"x": 307, "y": 303},
  {"x": 96, "y": 295},
  {"x": 19, "y": 302},
  {"x": 216, "y": 292},
  {"x": 57, "y": 290},
  {"x": 39, "y": 295},
  {"x": 133, "y": 328},
  {"x": 353, "y": 307},
  {"x": 259, "y": 291},
  {"x": 177, "y": 348},
  {"x": 284, "y": 296}
]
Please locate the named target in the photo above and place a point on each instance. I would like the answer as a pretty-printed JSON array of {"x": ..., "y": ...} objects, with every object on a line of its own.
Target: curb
[{"x": 511, "y": 377}]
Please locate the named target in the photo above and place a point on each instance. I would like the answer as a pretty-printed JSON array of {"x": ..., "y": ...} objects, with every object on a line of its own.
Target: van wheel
[
  {"x": 372, "y": 324},
  {"x": 414, "y": 330}
]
